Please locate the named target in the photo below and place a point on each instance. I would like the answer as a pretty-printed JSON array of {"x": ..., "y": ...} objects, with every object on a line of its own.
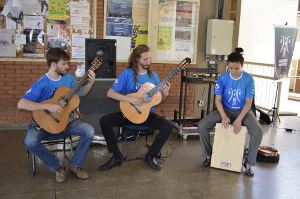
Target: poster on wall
[
  {"x": 116, "y": 26},
  {"x": 80, "y": 16},
  {"x": 285, "y": 38},
  {"x": 164, "y": 40},
  {"x": 57, "y": 10},
  {"x": 13, "y": 10},
  {"x": 140, "y": 12},
  {"x": 39, "y": 7},
  {"x": 119, "y": 8},
  {"x": 34, "y": 46},
  {"x": 56, "y": 36},
  {"x": 184, "y": 14},
  {"x": 33, "y": 22},
  {"x": 7, "y": 48},
  {"x": 139, "y": 36},
  {"x": 182, "y": 40},
  {"x": 166, "y": 13}
]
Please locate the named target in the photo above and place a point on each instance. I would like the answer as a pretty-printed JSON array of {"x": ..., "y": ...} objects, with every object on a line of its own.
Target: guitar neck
[
  {"x": 154, "y": 90},
  {"x": 77, "y": 86}
]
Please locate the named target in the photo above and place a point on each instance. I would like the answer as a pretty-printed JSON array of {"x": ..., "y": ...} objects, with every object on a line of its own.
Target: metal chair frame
[
  {"x": 137, "y": 129},
  {"x": 49, "y": 142}
]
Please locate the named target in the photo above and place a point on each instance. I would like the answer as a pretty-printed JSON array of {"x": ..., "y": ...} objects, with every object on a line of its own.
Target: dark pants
[{"x": 154, "y": 121}]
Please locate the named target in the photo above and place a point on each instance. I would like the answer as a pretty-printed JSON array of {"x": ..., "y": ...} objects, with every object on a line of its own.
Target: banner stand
[{"x": 275, "y": 114}]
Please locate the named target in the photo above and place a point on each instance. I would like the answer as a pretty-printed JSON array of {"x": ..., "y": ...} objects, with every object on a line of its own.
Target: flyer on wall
[
  {"x": 34, "y": 43},
  {"x": 116, "y": 26},
  {"x": 164, "y": 40},
  {"x": 139, "y": 36},
  {"x": 184, "y": 14},
  {"x": 33, "y": 22},
  {"x": 57, "y": 10},
  {"x": 7, "y": 48},
  {"x": 39, "y": 7},
  {"x": 166, "y": 13},
  {"x": 119, "y": 8},
  {"x": 140, "y": 12},
  {"x": 80, "y": 16}
]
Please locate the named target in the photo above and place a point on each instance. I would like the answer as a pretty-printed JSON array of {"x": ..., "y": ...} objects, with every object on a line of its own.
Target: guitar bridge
[
  {"x": 52, "y": 116},
  {"x": 136, "y": 108}
]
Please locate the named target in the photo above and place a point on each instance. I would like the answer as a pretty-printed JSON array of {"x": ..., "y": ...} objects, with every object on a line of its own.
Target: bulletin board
[
  {"x": 170, "y": 26},
  {"x": 44, "y": 24}
]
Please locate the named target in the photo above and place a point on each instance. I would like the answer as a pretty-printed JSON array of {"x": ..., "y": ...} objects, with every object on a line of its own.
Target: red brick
[
  {"x": 15, "y": 83},
  {"x": 7, "y": 122},
  {"x": 13, "y": 75},
  {"x": 6, "y": 71},
  {"x": 14, "y": 117},
  {"x": 24, "y": 71}
]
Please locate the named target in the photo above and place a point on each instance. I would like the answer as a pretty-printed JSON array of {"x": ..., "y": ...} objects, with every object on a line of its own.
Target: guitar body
[
  {"x": 59, "y": 124},
  {"x": 131, "y": 113}
]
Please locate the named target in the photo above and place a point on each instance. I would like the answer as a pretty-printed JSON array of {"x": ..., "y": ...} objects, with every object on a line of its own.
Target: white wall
[{"x": 256, "y": 30}]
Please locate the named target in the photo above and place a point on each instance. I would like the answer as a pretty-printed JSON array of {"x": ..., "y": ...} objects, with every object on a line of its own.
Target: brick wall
[{"x": 17, "y": 76}]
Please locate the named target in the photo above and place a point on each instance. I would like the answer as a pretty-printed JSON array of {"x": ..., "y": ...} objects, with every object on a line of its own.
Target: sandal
[
  {"x": 248, "y": 172},
  {"x": 206, "y": 162}
]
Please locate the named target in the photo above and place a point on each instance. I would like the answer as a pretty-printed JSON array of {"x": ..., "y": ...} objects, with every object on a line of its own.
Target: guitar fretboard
[{"x": 154, "y": 90}]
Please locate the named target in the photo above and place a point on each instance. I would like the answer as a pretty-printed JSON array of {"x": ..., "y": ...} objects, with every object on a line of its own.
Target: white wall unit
[{"x": 219, "y": 37}]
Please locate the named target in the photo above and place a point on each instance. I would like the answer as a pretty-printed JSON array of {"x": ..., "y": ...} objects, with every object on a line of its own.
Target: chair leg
[
  {"x": 31, "y": 161},
  {"x": 64, "y": 148}
]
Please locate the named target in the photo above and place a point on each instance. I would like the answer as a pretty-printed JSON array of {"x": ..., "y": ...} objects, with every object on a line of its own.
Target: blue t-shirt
[
  {"x": 235, "y": 91},
  {"x": 45, "y": 87},
  {"x": 125, "y": 82}
]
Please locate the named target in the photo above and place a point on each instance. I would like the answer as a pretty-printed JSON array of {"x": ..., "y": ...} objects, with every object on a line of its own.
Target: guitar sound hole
[
  {"x": 146, "y": 97},
  {"x": 63, "y": 102}
]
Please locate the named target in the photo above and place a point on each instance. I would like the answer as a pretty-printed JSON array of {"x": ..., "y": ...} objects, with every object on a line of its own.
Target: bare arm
[
  {"x": 219, "y": 105},
  {"x": 117, "y": 96},
  {"x": 35, "y": 106},
  {"x": 238, "y": 121}
]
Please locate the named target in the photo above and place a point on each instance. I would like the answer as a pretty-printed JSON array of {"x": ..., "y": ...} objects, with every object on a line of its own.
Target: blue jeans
[{"x": 33, "y": 138}]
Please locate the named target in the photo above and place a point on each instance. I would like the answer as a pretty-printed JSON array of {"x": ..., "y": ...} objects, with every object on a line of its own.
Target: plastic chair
[
  {"x": 133, "y": 129},
  {"x": 53, "y": 139}
]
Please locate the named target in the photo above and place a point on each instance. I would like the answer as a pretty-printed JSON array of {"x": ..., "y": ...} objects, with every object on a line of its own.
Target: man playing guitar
[
  {"x": 129, "y": 82},
  {"x": 44, "y": 89}
]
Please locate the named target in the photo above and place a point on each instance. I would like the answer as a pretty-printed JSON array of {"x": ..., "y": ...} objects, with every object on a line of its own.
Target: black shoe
[
  {"x": 249, "y": 172},
  {"x": 110, "y": 164},
  {"x": 206, "y": 162},
  {"x": 152, "y": 163}
]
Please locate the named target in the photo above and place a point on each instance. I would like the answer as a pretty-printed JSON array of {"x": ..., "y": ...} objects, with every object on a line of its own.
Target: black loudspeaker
[
  {"x": 96, "y": 104},
  {"x": 105, "y": 48}
]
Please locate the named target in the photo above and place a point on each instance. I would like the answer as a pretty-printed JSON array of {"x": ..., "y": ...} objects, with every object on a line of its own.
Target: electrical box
[{"x": 219, "y": 37}]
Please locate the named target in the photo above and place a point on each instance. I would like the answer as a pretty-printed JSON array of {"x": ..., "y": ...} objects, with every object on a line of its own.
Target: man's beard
[
  {"x": 59, "y": 72},
  {"x": 146, "y": 67}
]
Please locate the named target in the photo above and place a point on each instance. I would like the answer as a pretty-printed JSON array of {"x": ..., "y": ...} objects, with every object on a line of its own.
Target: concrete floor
[{"x": 182, "y": 174}]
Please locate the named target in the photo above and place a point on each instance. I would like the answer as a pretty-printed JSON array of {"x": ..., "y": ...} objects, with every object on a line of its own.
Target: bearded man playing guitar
[
  {"x": 43, "y": 90},
  {"x": 129, "y": 82}
]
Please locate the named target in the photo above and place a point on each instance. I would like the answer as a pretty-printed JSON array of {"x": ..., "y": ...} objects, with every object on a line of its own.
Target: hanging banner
[{"x": 285, "y": 37}]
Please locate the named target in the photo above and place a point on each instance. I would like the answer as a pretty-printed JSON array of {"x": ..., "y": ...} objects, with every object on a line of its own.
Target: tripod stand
[{"x": 274, "y": 108}]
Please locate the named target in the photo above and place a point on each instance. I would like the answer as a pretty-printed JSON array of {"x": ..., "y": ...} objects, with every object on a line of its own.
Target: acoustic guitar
[
  {"x": 67, "y": 98},
  {"x": 149, "y": 93}
]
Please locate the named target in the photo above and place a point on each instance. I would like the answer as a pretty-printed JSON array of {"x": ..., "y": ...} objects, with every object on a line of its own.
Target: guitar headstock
[
  {"x": 96, "y": 63},
  {"x": 184, "y": 63}
]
